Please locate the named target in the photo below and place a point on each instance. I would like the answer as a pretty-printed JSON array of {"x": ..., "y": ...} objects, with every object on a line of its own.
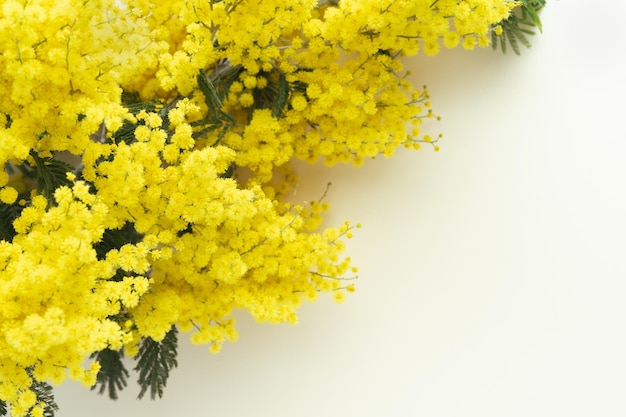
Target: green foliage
[
  {"x": 45, "y": 395},
  {"x": 520, "y": 24},
  {"x": 8, "y": 213},
  {"x": 280, "y": 95},
  {"x": 275, "y": 95},
  {"x": 115, "y": 239},
  {"x": 127, "y": 132},
  {"x": 215, "y": 88},
  {"x": 51, "y": 174},
  {"x": 156, "y": 360},
  {"x": 230, "y": 171},
  {"x": 112, "y": 376},
  {"x": 43, "y": 390}
]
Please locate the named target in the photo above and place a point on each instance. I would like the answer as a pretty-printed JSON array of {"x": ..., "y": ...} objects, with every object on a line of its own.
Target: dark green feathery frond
[
  {"x": 519, "y": 25},
  {"x": 43, "y": 390},
  {"x": 155, "y": 361},
  {"x": 112, "y": 375},
  {"x": 51, "y": 174},
  {"x": 8, "y": 213}
]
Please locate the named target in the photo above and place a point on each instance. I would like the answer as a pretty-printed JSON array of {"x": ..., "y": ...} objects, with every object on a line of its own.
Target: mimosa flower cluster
[{"x": 126, "y": 129}]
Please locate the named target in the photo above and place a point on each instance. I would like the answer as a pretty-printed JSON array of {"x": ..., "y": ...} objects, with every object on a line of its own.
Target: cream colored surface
[{"x": 492, "y": 275}]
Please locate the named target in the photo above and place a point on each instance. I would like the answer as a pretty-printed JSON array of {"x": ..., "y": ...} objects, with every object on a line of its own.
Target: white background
[{"x": 491, "y": 273}]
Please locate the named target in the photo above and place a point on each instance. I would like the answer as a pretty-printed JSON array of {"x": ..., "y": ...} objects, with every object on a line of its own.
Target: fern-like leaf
[
  {"x": 214, "y": 91},
  {"x": 518, "y": 25},
  {"x": 531, "y": 9},
  {"x": 45, "y": 395},
  {"x": 155, "y": 361},
  {"x": 115, "y": 239},
  {"x": 8, "y": 213},
  {"x": 126, "y": 133},
  {"x": 3, "y": 408},
  {"x": 51, "y": 174},
  {"x": 282, "y": 96},
  {"x": 112, "y": 375}
]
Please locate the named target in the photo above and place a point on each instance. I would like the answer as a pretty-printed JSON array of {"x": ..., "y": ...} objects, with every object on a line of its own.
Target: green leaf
[
  {"x": 51, "y": 174},
  {"x": 126, "y": 133},
  {"x": 519, "y": 24},
  {"x": 112, "y": 375},
  {"x": 282, "y": 96},
  {"x": 115, "y": 239},
  {"x": 45, "y": 395},
  {"x": 8, "y": 213},
  {"x": 214, "y": 93},
  {"x": 155, "y": 361},
  {"x": 230, "y": 171},
  {"x": 3, "y": 408},
  {"x": 531, "y": 9},
  {"x": 211, "y": 98},
  {"x": 223, "y": 79}
]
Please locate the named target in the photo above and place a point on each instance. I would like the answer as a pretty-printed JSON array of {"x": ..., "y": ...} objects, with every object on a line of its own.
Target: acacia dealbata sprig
[{"x": 141, "y": 147}]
